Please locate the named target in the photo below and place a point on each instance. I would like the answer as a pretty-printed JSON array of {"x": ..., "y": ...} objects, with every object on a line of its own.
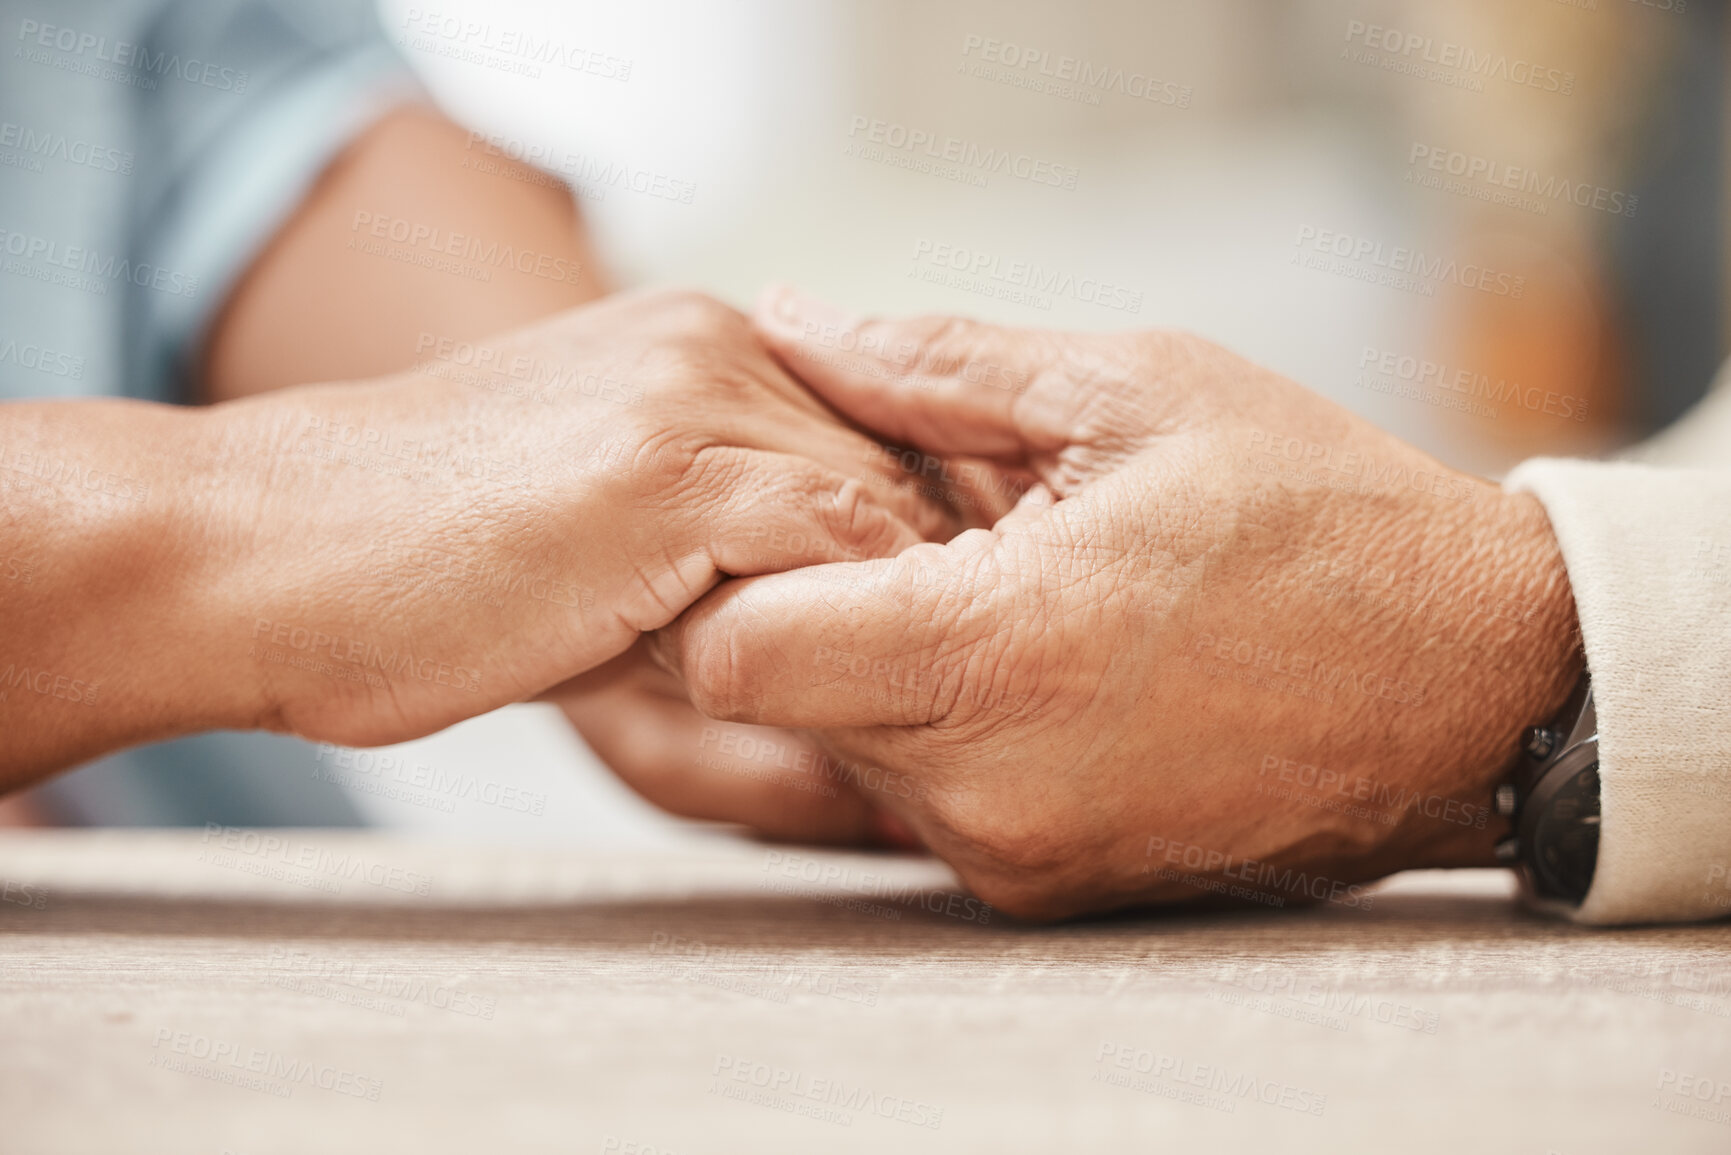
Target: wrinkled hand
[
  {"x": 783, "y": 785},
  {"x": 1238, "y": 643},
  {"x": 496, "y": 522}
]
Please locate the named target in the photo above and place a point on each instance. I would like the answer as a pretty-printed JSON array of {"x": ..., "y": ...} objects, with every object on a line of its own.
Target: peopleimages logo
[
  {"x": 1718, "y": 877},
  {"x": 1402, "y": 262},
  {"x": 1323, "y": 671},
  {"x": 47, "y": 475},
  {"x": 473, "y": 39},
  {"x": 1413, "y": 51},
  {"x": 23, "y": 894},
  {"x": 1210, "y": 863},
  {"x": 1696, "y": 1096},
  {"x": 438, "y": 241},
  {"x": 590, "y": 176},
  {"x": 1324, "y": 781},
  {"x": 365, "y": 655},
  {"x": 1421, "y": 371},
  {"x": 446, "y": 785},
  {"x": 745, "y": 970},
  {"x": 996, "y": 274},
  {"x": 79, "y": 262},
  {"x": 286, "y": 1071},
  {"x": 796, "y": 1089},
  {"x": 275, "y": 854},
  {"x": 848, "y": 882},
  {"x": 872, "y": 136},
  {"x": 68, "y": 150},
  {"x": 139, "y": 60},
  {"x": 744, "y": 747},
  {"x": 48, "y": 683},
  {"x": 41, "y": 359},
  {"x": 1496, "y": 177},
  {"x": 1116, "y": 1062},
  {"x": 326, "y": 976},
  {"x": 1069, "y": 77}
]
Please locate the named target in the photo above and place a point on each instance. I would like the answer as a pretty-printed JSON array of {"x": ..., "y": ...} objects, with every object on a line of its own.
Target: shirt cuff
[{"x": 1648, "y": 552}]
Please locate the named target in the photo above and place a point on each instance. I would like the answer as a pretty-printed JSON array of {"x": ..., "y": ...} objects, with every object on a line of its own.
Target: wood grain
[{"x": 162, "y": 993}]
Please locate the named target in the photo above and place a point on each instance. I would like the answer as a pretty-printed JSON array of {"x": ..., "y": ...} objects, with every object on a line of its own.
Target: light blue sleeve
[
  {"x": 279, "y": 88},
  {"x": 233, "y": 108}
]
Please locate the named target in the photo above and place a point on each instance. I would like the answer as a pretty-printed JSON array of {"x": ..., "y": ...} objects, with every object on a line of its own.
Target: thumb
[
  {"x": 852, "y": 644},
  {"x": 942, "y": 384}
]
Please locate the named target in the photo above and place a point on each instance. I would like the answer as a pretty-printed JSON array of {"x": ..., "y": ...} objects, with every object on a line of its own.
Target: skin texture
[
  {"x": 321, "y": 304},
  {"x": 364, "y": 563},
  {"x": 121, "y": 593},
  {"x": 1221, "y": 579},
  {"x": 782, "y": 785},
  {"x": 162, "y": 616}
]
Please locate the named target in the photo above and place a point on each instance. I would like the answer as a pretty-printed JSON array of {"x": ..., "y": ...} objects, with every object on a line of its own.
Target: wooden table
[{"x": 293, "y": 991}]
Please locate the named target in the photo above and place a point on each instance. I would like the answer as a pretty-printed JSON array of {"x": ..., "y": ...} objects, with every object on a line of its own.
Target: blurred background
[{"x": 1318, "y": 184}]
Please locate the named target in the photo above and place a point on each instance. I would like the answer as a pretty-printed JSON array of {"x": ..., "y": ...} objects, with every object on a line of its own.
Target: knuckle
[
  {"x": 854, "y": 524},
  {"x": 713, "y": 473},
  {"x": 1162, "y": 344},
  {"x": 681, "y": 361},
  {"x": 1173, "y": 354},
  {"x": 702, "y": 368},
  {"x": 635, "y": 430},
  {"x": 639, "y": 449},
  {"x": 944, "y": 344},
  {"x": 697, "y": 313}
]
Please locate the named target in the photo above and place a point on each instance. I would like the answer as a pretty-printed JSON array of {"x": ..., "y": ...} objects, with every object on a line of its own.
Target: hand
[
  {"x": 783, "y": 785},
  {"x": 669, "y": 450},
  {"x": 637, "y": 718},
  {"x": 1238, "y": 642},
  {"x": 365, "y": 563}
]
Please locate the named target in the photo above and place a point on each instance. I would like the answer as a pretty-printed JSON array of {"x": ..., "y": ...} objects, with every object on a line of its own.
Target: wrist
[
  {"x": 211, "y": 556},
  {"x": 1520, "y": 659},
  {"x": 179, "y": 560},
  {"x": 269, "y": 555},
  {"x": 318, "y": 499}
]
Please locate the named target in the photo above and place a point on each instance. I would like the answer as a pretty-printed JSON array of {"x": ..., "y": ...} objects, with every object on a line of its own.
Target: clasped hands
[{"x": 1142, "y": 622}]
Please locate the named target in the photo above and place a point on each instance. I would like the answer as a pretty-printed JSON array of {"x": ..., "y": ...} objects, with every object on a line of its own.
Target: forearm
[
  {"x": 366, "y": 562},
  {"x": 418, "y": 234},
  {"x": 116, "y": 515},
  {"x": 109, "y": 520},
  {"x": 264, "y": 563}
]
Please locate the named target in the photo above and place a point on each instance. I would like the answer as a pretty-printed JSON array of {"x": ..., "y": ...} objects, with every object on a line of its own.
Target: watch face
[{"x": 1566, "y": 837}]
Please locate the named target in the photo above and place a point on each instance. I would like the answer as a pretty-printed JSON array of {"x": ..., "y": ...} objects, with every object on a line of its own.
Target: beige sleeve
[{"x": 1647, "y": 542}]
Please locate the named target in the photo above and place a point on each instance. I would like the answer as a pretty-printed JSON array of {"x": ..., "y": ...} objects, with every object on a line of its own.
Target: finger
[
  {"x": 879, "y": 643},
  {"x": 908, "y": 491},
  {"x": 978, "y": 492},
  {"x": 984, "y": 492},
  {"x": 766, "y": 512},
  {"x": 639, "y": 722},
  {"x": 795, "y": 421},
  {"x": 944, "y": 384}
]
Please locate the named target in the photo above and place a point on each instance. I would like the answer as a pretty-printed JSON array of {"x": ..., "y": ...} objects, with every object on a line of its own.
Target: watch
[{"x": 1553, "y": 802}]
